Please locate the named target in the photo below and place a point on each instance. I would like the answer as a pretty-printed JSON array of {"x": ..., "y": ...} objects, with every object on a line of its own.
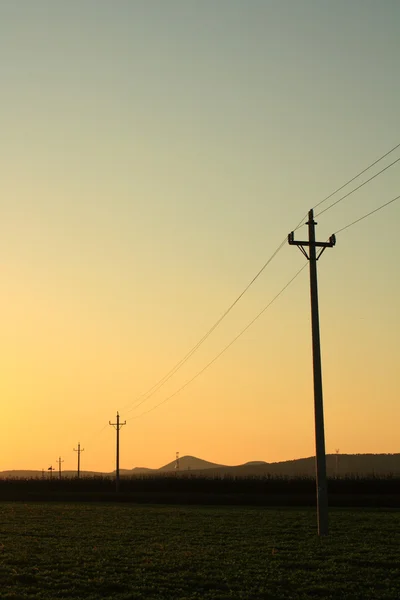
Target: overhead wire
[
  {"x": 213, "y": 360},
  {"x": 142, "y": 398},
  {"x": 223, "y": 350},
  {"x": 357, "y": 176},
  {"x": 368, "y": 214},
  {"x": 358, "y": 187},
  {"x": 150, "y": 392}
]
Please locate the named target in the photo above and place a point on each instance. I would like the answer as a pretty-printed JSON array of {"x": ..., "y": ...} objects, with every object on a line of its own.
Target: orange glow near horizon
[{"x": 151, "y": 164}]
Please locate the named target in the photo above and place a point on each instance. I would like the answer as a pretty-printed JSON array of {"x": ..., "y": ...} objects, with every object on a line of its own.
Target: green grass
[{"x": 92, "y": 551}]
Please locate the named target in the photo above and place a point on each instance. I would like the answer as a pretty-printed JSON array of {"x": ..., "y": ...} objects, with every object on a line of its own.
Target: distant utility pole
[
  {"x": 312, "y": 257},
  {"x": 337, "y": 461},
  {"x": 117, "y": 426},
  {"x": 51, "y": 472},
  {"x": 79, "y": 450},
  {"x": 59, "y": 461},
  {"x": 177, "y": 463}
]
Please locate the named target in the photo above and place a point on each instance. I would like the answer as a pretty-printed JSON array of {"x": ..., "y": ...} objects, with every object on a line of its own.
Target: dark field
[
  {"x": 379, "y": 492},
  {"x": 82, "y": 551}
]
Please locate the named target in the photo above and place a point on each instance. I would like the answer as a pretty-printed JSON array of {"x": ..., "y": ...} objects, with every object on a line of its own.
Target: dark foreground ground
[
  {"x": 185, "y": 489},
  {"x": 124, "y": 551}
]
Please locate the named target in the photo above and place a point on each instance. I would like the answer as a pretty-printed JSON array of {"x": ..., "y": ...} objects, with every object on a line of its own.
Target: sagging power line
[
  {"x": 367, "y": 215},
  {"x": 142, "y": 398},
  {"x": 146, "y": 395},
  {"x": 213, "y": 360},
  {"x": 357, "y": 188},
  {"x": 253, "y": 320},
  {"x": 357, "y": 176}
]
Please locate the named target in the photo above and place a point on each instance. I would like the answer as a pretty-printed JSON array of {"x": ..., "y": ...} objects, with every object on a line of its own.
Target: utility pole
[
  {"x": 337, "y": 461},
  {"x": 79, "y": 450},
  {"x": 51, "y": 469},
  {"x": 177, "y": 463},
  {"x": 117, "y": 426},
  {"x": 312, "y": 257},
  {"x": 59, "y": 461}
]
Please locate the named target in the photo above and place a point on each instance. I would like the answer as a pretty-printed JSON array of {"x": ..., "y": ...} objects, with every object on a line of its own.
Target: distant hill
[
  {"x": 341, "y": 465},
  {"x": 190, "y": 463}
]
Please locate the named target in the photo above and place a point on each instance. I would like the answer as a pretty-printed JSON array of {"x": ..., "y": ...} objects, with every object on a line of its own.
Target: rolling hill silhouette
[
  {"x": 341, "y": 465},
  {"x": 190, "y": 463}
]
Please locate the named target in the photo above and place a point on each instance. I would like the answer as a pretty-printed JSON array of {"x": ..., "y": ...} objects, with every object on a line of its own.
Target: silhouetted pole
[
  {"x": 117, "y": 426},
  {"x": 79, "y": 450},
  {"x": 322, "y": 493},
  {"x": 51, "y": 472},
  {"x": 59, "y": 461},
  {"x": 337, "y": 462}
]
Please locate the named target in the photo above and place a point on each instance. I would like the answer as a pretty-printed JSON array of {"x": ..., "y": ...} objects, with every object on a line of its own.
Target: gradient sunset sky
[{"x": 154, "y": 154}]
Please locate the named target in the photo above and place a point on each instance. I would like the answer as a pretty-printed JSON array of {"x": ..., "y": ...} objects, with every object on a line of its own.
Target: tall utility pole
[
  {"x": 59, "y": 461},
  {"x": 79, "y": 450},
  {"x": 312, "y": 257},
  {"x": 117, "y": 426}
]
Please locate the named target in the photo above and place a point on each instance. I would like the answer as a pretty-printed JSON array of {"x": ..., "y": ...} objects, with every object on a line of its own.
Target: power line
[
  {"x": 142, "y": 398},
  {"x": 255, "y": 318},
  {"x": 357, "y": 188},
  {"x": 224, "y": 349},
  {"x": 146, "y": 395},
  {"x": 356, "y": 176},
  {"x": 368, "y": 214}
]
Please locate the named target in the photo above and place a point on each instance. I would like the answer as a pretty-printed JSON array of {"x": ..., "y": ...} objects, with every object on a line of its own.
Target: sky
[{"x": 154, "y": 155}]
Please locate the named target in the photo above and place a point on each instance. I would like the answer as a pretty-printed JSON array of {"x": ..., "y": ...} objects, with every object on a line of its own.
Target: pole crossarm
[
  {"x": 117, "y": 425},
  {"x": 301, "y": 244}
]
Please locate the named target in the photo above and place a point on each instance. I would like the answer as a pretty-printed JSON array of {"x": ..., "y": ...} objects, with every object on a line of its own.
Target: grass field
[{"x": 91, "y": 551}]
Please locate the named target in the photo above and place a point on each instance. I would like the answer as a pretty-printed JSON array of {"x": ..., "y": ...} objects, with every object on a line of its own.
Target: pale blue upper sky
[{"x": 154, "y": 154}]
